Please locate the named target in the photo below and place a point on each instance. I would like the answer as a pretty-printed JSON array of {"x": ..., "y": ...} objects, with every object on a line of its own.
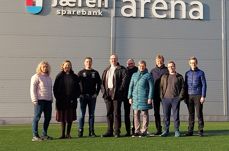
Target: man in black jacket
[
  {"x": 131, "y": 69},
  {"x": 90, "y": 84},
  {"x": 172, "y": 91},
  {"x": 157, "y": 72},
  {"x": 113, "y": 90}
]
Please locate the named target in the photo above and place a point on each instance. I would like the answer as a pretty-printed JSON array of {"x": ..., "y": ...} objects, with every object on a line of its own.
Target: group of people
[{"x": 132, "y": 85}]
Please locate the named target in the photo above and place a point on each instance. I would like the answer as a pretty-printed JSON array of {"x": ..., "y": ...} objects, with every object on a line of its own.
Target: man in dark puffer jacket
[
  {"x": 196, "y": 87},
  {"x": 157, "y": 73}
]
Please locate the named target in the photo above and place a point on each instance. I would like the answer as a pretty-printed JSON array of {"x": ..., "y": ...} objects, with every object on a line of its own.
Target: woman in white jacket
[{"x": 41, "y": 96}]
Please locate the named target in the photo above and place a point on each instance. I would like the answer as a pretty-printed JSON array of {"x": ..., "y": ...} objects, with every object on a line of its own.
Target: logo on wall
[
  {"x": 34, "y": 6},
  {"x": 162, "y": 9}
]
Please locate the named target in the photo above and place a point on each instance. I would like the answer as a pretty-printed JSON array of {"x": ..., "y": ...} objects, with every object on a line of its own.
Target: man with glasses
[
  {"x": 172, "y": 92},
  {"x": 196, "y": 86}
]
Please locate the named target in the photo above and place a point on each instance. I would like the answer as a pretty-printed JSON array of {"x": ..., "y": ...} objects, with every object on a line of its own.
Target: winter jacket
[
  {"x": 157, "y": 72},
  {"x": 130, "y": 72},
  {"x": 179, "y": 86},
  {"x": 119, "y": 83},
  {"x": 195, "y": 82},
  {"x": 41, "y": 88},
  {"x": 141, "y": 89},
  {"x": 64, "y": 102}
]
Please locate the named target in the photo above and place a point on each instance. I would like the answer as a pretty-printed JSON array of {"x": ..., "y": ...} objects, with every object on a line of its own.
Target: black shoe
[
  {"x": 133, "y": 130},
  {"x": 136, "y": 135},
  {"x": 92, "y": 134},
  {"x": 158, "y": 133},
  {"x": 47, "y": 137},
  {"x": 80, "y": 133},
  {"x": 201, "y": 133},
  {"x": 127, "y": 134},
  {"x": 62, "y": 137},
  {"x": 143, "y": 134},
  {"x": 68, "y": 136},
  {"x": 107, "y": 135},
  {"x": 189, "y": 134}
]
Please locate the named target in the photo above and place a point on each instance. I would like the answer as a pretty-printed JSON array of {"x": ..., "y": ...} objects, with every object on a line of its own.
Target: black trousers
[
  {"x": 127, "y": 114},
  {"x": 156, "y": 103},
  {"x": 192, "y": 104},
  {"x": 113, "y": 115}
]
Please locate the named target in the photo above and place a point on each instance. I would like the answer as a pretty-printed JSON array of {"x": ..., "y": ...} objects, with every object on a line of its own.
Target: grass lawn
[{"x": 18, "y": 137}]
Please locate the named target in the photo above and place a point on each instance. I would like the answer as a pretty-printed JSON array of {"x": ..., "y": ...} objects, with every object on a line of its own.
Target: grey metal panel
[
  {"x": 12, "y": 6},
  {"x": 173, "y": 48},
  {"x": 170, "y": 29},
  {"x": 54, "y": 26},
  {"x": 209, "y": 109},
  {"x": 16, "y": 109},
  {"x": 42, "y": 46}
]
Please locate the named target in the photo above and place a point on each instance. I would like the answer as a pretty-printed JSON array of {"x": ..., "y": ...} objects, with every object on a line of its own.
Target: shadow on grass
[{"x": 216, "y": 132}]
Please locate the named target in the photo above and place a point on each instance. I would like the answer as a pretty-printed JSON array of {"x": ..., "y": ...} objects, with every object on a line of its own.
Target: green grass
[{"x": 18, "y": 137}]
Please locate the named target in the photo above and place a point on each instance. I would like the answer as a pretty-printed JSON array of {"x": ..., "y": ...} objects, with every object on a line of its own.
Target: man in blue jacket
[{"x": 196, "y": 88}]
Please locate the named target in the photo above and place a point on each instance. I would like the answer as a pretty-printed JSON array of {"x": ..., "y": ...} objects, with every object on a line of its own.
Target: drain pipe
[
  {"x": 224, "y": 58},
  {"x": 113, "y": 28}
]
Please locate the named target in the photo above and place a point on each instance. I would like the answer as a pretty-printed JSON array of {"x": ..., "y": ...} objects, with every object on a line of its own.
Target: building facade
[{"x": 56, "y": 30}]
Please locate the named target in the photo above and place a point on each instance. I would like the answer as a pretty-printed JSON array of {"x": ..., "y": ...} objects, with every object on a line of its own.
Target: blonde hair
[
  {"x": 62, "y": 65},
  {"x": 160, "y": 57},
  {"x": 193, "y": 58},
  {"x": 38, "y": 70}
]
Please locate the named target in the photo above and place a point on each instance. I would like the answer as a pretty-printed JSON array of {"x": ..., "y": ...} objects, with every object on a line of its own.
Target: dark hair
[
  {"x": 172, "y": 62},
  {"x": 88, "y": 58},
  {"x": 142, "y": 62}
]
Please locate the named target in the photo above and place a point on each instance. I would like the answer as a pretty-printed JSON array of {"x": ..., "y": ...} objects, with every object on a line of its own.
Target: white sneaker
[{"x": 36, "y": 139}]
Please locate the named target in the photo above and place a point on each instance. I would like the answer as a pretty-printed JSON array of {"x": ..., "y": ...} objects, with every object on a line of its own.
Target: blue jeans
[
  {"x": 42, "y": 106},
  {"x": 174, "y": 104},
  {"x": 89, "y": 101}
]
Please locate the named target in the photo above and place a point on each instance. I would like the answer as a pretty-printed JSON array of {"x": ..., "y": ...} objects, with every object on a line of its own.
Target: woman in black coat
[{"x": 66, "y": 91}]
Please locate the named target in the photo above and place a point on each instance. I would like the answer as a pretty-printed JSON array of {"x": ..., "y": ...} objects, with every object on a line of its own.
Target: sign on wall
[{"x": 129, "y": 8}]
